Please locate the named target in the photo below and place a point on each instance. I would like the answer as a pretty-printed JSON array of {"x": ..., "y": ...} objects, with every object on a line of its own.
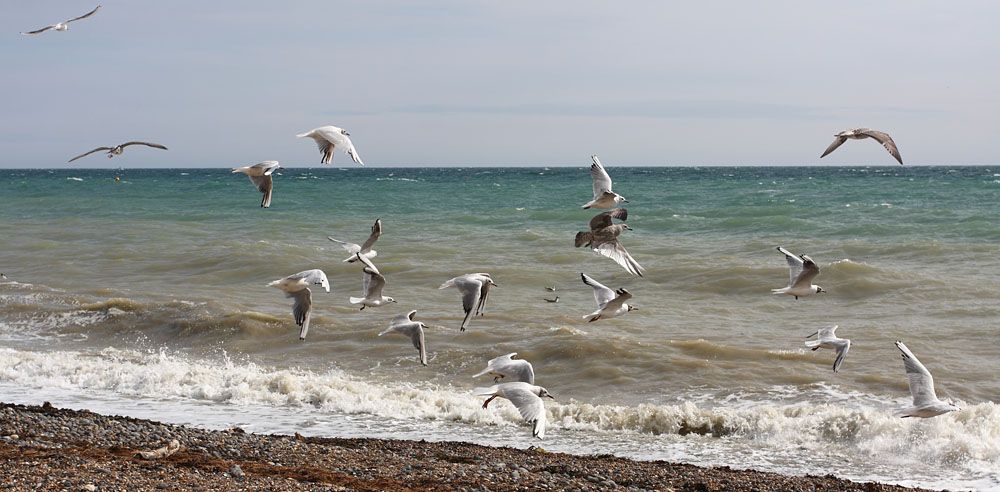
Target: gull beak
[{"x": 550, "y": 396}]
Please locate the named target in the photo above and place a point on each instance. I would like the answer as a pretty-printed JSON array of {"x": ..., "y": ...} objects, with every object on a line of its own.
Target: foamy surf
[{"x": 810, "y": 433}]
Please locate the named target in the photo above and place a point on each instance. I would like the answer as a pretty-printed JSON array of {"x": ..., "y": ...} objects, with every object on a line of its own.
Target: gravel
[{"x": 46, "y": 448}]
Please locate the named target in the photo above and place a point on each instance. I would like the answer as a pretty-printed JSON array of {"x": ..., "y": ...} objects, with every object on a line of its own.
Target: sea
[{"x": 148, "y": 297}]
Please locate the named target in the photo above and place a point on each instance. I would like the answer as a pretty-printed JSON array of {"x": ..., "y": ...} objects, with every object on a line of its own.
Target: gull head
[
  {"x": 819, "y": 290},
  {"x": 542, "y": 392},
  {"x": 389, "y": 299},
  {"x": 491, "y": 282},
  {"x": 345, "y": 132},
  {"x": 626, "y": 227},
  {"x": 632, "y": 308}
]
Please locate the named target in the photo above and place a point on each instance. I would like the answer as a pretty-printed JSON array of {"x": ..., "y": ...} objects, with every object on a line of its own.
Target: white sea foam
[{"x": 75, "y": 179}]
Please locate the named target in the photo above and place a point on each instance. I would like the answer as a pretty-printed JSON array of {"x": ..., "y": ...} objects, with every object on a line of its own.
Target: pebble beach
[{"x": 48, "y": 448}]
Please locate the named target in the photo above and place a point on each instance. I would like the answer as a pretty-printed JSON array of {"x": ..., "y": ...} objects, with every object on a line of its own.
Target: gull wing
[
  {"x": 602, "y": 220},
  {"x": 602, "y": 181},
  {"x": 403, "y": 319},
  {"x": 88, "y": 153},
  {"x": 622, "y": 296},
  {"x": 809, "y": 271},
  {"x": 417, "y": 337},
  {"x": 836, "y": 143},
  {"x": 602, "y": 294},
  {"x": 36, "y": 31},
  {"x": 314, "y": 276},
  {"x": 471, "y": 290},
  {"x": 376, "y": 232},
  {"x": 484, "y": 294},
  {"x": 351, "y": 151},
  {"x": 530, "y": 406},
  {"x": 268, "y": 167},
  {"x": 350, "y": 247},
  {"x": 621, "y": 256},
  {"x": 264, "y": 185},
  {"x": 84, "y": 16},
  {"x": 886, "y": 141},
  {"x": 794, "y": 265},
  {"x": 920, "y": 379},
  {"x": 842, "y": 350},
  {"x": 302, "y": 310},
  {"x": 147, "y": 144}
]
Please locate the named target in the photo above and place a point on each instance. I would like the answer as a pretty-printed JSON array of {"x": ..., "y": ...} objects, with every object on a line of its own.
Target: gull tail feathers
[
  {"x": 583, "y": 238},
  {"x": 447, "y": 284},
  {"x": 481, "y": 373},
  {"x": 812, "y": 343},
  {"x": 357, "y": 300}
]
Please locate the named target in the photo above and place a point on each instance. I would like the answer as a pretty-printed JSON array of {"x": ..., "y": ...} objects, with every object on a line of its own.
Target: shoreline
[{"x": 48, "y": 448}]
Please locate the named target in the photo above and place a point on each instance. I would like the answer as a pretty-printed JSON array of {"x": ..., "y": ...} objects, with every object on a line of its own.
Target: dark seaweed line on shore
[{"x": 47, "y": 448}]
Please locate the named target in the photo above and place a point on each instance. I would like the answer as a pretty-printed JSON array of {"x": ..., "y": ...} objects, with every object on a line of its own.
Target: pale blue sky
[{"x": 500, "y": 83}]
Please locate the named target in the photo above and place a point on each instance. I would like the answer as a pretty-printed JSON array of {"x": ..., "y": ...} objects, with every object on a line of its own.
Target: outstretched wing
[
  {"x": 302, "y": 310},
  {"x": 622, "y": 296},
  {"x": 376, "y": 232},
  {"x": 602, "y": 181},
  {"x": 264, "y": 185},
  {"x": 602, "y": 294},
  {"x": 147, "y": 144},
  {"x": 602, "y": 220},
  {"x": 36, "y": 31},
  {"x": 920, "y": 379},
  {"x": 617, "y": 252},
  {"x": 841, "y": 355},
  {"x": 530, "y": 406},
  {"x": 84, "y": 16},
  {"x": 886, "y": 141},
  {"x": 794, "y": 265},
  {"x": 85, "y": 154},
  {"x": 836, "y": 143},
  {"x": 809, "y": 271}
]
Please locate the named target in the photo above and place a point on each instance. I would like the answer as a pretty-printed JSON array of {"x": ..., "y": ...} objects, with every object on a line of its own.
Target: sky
[{"x": 512, "y": 83}]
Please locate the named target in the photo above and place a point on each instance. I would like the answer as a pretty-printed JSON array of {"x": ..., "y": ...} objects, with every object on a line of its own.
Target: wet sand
[{"x": 47, "y": 448}]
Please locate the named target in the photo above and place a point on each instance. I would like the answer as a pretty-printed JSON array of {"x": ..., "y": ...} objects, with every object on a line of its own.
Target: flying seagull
[
  {"x": 801, "y": 271},
  {"x": 610, "y": 303},
  {"x": 260, "y": 176},
  {"x": 826, "y": 338},
  {"x": 603, "y": 196},
  {"x": 64, "y": 25},
  {"x": 925, "y": 401},
  {"x": 603, "y": 239},
  {"x": 551, "y": 300},
  {"x": 297, "y": 287},
  {"x": 118, "y": 149},
  {"x": 366, "y": 248},
  {"x": 550, "y": 289},
  {"x": 506, "y": 366},
  {"x": 863, "y": 133},
  {"x": 329, "y": 138},
  {"x": 404, "y": 324},
  {"x": 526, "y": 398},
  {"x": 475, "y": 289},
  {"x": 371, "y": 286}
]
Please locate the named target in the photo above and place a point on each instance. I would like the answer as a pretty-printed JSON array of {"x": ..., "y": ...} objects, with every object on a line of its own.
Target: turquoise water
[{"x": 151, "y": 293}]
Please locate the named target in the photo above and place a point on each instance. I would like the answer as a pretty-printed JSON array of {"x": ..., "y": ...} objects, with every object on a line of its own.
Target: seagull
[
  {"x": 828, "y": 339},
  {"x": 526, "y": 397},
  {"x": 371, "y": 287},
  {"x": 801, "y": 271},
  {"x": 475, "y": 289},
  {"x": 863, "y": 133},
  {"x": 925, "y": 401},
  {"x": 405, "y": 325},
  {"x": 506, "y": 366},
  {"x": 118, "y": 149},
  {"x": 603, "y": 239},
  {"x": 551, "y": 300},
  {"x": 603, "y": 196},
  {"x": 366, "y": 248},
  {"x": 297, "y": 287},
  {"x": 3, "y": 277},
  {"x": 550, "y": 289},
  {"x": 260, "y": 176},
  {"x": 328, "y": 138},
  {"x": 64, "y": 25},
  {"x": 610, "y": 303}
]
